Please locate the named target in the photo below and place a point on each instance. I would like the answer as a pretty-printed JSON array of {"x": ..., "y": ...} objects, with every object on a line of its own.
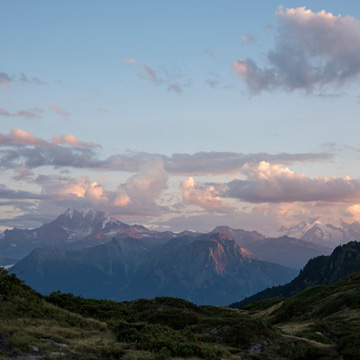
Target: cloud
[
  {"x": 24, "y": 78},
  {"x": 246, "y": 38},
  {"x": 204, "y": 196},
  {"x": 33, "y": 152},
  {"x": 150, "y": 73},
  {"x": 20, "y": 138},
  {"x": 35, "y": 80},
  {"x": 176, "y": 88},
  {"x": 268, "y": 183},
  {"x": 130, "y": 62},
  {"x": 60, "y": 111},
  {"x": 227, "y": 163},
  {"x": 5, "y": 79},
  {"x": 172, "y": 77},
  {"x": 70, "y": 139},
  {"x": 355, "y": 211},
  {"x": 312, "y": 50},
  {"x": 7, "y": 193},
  {"x": 137, "y": 197},
  {"x": 23, "y": 174},
  {"x": 29, "y": 114},
  {"x": 211, "y": 53},
  {"x": 213, "y": 83},
  {"x": 4, "y": 112}
]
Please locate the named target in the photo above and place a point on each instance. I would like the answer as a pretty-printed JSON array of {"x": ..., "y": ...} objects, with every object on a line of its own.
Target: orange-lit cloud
[
  {"x": 70, "y": 139},
  {"x": 18, "y": 137},
  {"x": 276, "y": 184},
  {"x": 355, "y": 211},
  {"x": 203, "y": 196},
  {"x": 122, "y": 199}
]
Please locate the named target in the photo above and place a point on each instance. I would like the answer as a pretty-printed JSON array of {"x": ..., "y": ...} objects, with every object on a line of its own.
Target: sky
[{"x": 180, "y": 114}]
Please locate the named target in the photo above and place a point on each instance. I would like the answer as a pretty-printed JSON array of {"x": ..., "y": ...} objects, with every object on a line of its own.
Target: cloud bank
[
  {"x": 163, "y": 186},
  {"x": 268, "y": 183}
]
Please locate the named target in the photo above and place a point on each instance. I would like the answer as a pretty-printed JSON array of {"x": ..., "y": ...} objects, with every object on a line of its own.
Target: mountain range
[
  {"x": 323, "y": 233},
  {"x": 79, "y": 229},
  {"x": 89, "y": 253},
  {"x": 209, "y": 269}
]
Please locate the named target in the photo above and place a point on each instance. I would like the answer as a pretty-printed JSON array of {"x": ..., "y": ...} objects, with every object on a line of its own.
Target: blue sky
[{"x": 180, "y": 114}]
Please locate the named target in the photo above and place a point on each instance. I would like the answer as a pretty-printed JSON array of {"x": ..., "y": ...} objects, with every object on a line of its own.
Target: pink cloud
[
  {"x": 20, "y": 137},
  {"x": 205, "y": 196},
  {"x": 70, "y": 139},
  {"x": 135, "y": 198},
  {"x": 23, "y": 174},
  {"x": 268, "y": 183},
  {"x": 130, "y": 62},
  {"x": 4, "y": 112},
  {"x": 60, "y": 110}
]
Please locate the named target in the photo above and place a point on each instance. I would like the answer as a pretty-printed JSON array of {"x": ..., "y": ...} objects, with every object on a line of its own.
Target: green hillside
[
  {"x": 329, "y": 315},
  {"x": 322, "y": 322}
]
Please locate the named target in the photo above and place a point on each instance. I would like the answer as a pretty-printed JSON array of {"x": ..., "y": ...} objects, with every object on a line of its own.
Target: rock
[
  {"x": 255, "y": 349},
  {"x": 50, "y": 341}
]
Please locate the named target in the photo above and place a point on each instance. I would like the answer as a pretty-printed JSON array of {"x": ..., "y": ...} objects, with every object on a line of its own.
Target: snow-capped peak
[{"x": 83, "y": 212}]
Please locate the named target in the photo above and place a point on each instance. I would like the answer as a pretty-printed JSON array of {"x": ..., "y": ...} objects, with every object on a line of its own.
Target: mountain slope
[
  {"x": 32, "y": 328},
  {"x": 286, "y": 251},
  {"x": 210, "y": 269},
  {"x": 206, "y": 270},
  {"x": 325, "y": 315},
  {"x": 323, "y": 270}
]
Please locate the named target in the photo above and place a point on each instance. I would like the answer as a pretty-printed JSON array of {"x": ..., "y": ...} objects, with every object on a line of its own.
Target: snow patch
[
  {"x": 107, "y": 220},
  {"x": 7, "y": 267},
  {"x": 69, "y": 213}
]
